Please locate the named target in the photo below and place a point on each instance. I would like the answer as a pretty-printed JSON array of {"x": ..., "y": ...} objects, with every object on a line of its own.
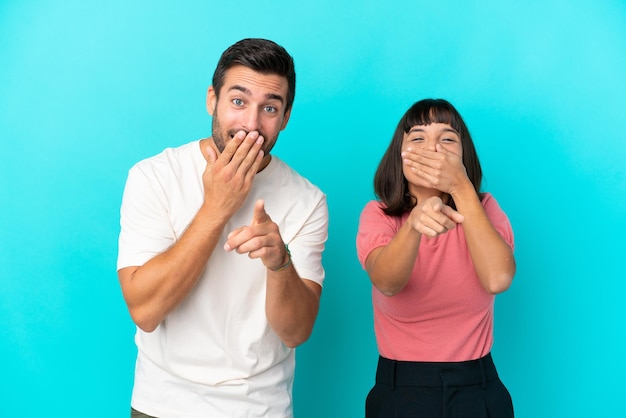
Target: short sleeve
[
  {"x": 308, "y": 244},
  {"x": 498, "y": 219},
  {"x": 145, "y": 227},
  {"x": 376, "y": 229}
]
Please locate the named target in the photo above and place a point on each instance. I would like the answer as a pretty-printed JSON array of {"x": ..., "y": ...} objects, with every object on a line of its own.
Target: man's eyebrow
[
  {"x": 273, "y": 96},
  {"x": 241, "y": 89},
  {"x": 247, "y": 92}
]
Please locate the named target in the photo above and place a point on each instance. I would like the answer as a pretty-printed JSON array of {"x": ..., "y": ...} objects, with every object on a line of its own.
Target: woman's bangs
[{"x": 426, "y": 115}]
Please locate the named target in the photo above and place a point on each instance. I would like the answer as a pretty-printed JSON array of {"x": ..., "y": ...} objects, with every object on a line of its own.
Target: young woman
[{"x": 437, "y": 251}]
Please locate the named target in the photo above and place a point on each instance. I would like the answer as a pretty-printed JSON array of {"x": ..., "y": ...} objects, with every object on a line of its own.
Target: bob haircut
[
  {"x": 390, "y": 185},
  {"x": 262, "y": 56}
]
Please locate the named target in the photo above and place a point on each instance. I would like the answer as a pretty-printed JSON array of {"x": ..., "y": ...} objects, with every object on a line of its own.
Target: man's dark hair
[
  {"x": 261, "y": 55},
  {"x": 390, "y": 185}
]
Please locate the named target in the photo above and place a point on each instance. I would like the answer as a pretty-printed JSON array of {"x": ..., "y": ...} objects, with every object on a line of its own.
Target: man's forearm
[{"x": 292, "y": 305}]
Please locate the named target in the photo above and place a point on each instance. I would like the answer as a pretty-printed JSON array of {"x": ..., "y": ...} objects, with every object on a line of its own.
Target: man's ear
[
  {"x": 211, "y": 100},
  {"x": 286, "y": 119}
]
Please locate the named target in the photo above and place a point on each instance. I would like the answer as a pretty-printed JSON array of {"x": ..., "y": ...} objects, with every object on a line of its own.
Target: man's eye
[
  {"x": 270, "y": 109},
  {"x": 238, "y": 102}
]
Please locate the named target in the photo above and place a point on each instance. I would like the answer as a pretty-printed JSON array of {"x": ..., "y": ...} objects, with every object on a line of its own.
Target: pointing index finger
[{"x": 260, "y": 215}]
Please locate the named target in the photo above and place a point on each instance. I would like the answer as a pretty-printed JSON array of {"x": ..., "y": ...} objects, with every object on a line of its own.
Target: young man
[{"x": 220, "y": 253}]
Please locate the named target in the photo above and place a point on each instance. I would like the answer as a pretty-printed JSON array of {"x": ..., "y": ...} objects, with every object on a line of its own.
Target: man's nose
[{"x": 250, "y": 120}]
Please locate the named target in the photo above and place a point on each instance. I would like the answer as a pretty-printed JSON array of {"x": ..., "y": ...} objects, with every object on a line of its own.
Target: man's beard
[{"x": 220, "y": 140}]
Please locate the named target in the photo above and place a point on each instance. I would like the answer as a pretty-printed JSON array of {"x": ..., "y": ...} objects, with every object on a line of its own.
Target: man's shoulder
[
  {"x": 171, "y": 157},
  {"x": 285, "y": 170}
]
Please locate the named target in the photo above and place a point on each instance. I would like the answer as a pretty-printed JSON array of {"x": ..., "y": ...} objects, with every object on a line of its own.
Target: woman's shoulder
[
  {"x": 375, "y": 204},
  {"x": 492, "y": 207},
  {"x": 374, "y": 207},
  {"x": 488, "y": 200},
  {"x": 374, "y": 212}
]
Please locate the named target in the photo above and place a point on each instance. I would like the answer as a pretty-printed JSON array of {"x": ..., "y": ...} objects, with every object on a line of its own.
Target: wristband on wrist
[{"x": 287, "y": 264}]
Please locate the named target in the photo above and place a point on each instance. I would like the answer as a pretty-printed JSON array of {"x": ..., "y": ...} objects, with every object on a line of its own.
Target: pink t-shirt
[{"x": 443, "y": 313}]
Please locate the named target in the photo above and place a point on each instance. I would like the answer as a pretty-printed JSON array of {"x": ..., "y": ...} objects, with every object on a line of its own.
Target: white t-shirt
[{"x": 215, "y": 355}]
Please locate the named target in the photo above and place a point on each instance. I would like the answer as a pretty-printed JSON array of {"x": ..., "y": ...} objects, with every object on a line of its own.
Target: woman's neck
[{"x": 423, "y": 193}]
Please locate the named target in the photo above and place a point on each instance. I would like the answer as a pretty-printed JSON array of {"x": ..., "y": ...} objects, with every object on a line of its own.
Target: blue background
[{"x": 89, "y": 88}]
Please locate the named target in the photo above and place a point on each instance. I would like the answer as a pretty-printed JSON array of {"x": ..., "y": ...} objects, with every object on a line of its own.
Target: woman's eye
[{"x": 417, "y": 139}]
